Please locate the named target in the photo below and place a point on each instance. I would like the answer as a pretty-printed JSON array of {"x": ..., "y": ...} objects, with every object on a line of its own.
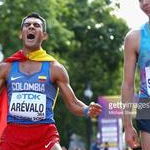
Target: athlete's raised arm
[{"x": 60, "y": 76}]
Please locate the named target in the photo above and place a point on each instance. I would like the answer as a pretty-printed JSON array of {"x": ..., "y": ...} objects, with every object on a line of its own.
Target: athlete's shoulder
[
  {"x": 57, "y": 66},
  {"x": 58, "y": 71},
  {"x": 132, "y": 41},
  {"x": 5, "y": 68},
  {"x": 133, "y": 34},
  {"x": 5, "y": 65}
]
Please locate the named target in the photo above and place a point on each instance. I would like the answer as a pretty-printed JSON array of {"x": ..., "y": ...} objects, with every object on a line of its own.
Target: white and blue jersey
[
  {"x": 144, "y": 61},
  {"x": 31, "y": 97}
]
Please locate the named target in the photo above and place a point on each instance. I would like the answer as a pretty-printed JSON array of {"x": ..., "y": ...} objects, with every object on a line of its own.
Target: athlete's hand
[
  {"x": 94, "y": 110},
  {"x": 131, "y": 137}
]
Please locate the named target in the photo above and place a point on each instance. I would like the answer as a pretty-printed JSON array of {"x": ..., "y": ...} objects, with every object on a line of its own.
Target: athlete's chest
[{"x": 30, "y": 67}]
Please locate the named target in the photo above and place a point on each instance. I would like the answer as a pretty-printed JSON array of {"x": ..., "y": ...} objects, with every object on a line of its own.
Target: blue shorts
[
  {"x": 143, "y": 115},
  {"x": 143, "y": 125}
]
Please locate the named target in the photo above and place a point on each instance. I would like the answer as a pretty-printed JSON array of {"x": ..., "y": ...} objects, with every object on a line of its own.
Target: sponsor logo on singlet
[
  {"x": 37, "y": 87},
  {"x": 29, "y": 105}
]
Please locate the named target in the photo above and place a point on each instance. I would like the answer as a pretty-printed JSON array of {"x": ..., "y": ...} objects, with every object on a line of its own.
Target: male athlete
[
  {"x": 32, "y": 79},
  {"x": 137, "y": 52}
]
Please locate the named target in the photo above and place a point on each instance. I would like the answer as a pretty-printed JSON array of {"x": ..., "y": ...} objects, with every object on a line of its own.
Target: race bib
[
  {"x": 147, "y": 71},
  {"x": 29, "y": 105}
]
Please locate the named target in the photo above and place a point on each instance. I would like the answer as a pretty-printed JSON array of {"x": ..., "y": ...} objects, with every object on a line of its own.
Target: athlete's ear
[
  {"x": 45, "y": 36},
  {"x": 20, "y": 35}
]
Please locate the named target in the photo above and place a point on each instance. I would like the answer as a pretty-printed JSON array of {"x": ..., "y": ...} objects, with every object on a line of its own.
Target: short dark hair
[{"x": 35, "y": 15}]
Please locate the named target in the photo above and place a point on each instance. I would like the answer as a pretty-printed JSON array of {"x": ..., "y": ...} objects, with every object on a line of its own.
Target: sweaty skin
[
  {"x": 131, "y": 51},
  {"x": 32, "y": 36}
]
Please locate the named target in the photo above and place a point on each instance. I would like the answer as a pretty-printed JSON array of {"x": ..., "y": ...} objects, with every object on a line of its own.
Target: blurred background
[{"x": 87, "y": 37}]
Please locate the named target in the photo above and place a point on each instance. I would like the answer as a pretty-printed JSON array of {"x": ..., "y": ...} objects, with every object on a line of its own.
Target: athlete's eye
[
  {"x": 36, "y": 25},
  {"x": 27, "y": 24}
]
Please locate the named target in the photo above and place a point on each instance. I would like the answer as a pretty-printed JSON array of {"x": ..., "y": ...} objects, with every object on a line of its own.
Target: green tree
[
  {"x": 12, "y": 13},
  {"x": 85, "y": 36},
  {"x": 94, "y": 53}
]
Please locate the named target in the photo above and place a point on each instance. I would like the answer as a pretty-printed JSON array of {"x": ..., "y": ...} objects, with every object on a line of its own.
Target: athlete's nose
[{"x": 31, "y": 26}]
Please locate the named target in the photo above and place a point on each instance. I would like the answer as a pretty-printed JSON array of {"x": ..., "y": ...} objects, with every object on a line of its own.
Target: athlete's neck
[{"x": 26, "y": 51}]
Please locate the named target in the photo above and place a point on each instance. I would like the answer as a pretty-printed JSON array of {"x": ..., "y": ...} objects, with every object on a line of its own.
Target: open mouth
[{"x": 30, "y": 36}]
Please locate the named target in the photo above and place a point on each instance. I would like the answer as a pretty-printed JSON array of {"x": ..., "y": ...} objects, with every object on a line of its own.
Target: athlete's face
[
  {"x": 145, "y": 6},
  {"x": 32, "y": 33}
]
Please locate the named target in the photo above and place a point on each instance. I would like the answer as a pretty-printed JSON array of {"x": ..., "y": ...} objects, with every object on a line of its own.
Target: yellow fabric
[
  {"x": 42, "y": 77},
  {"x": 40, "y": 55},
  {"x": 55, "y": 98}
]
